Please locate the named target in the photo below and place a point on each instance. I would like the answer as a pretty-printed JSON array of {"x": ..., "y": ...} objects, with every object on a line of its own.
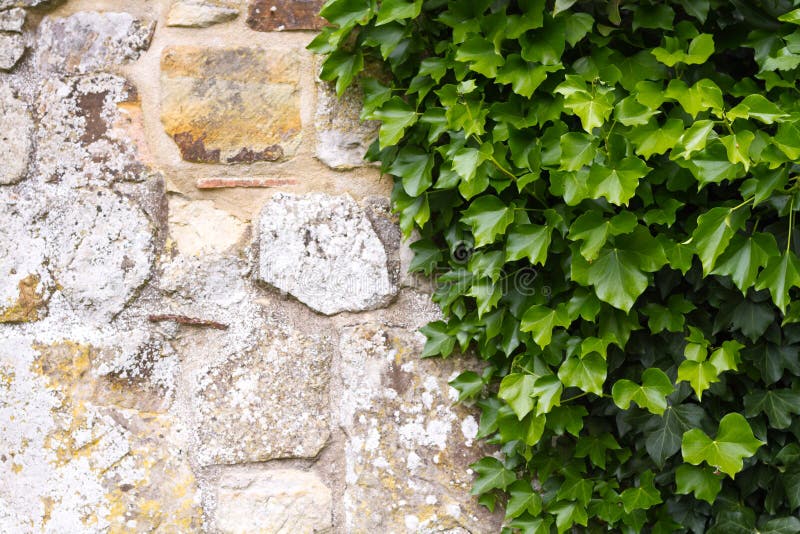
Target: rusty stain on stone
[
  {"x": 272, "y": 15},
  {"x": 195, "y": 149},
  {"x": 220, "y": 183},
  {"x": 246, "y": 155},
  {"x": 26, "y": 308}
]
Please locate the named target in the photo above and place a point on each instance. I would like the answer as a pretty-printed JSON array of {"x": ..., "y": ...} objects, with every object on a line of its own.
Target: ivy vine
[{"x": 605, "y": 193}]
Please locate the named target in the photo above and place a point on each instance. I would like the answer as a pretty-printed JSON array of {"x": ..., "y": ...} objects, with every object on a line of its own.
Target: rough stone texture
[
  {"x": 279, "y": 15},
  {"x": 270, "y": 402},
  {"x": 198, "y": 228},
  {"x": 25, "y": 281},
  {"x": 12, "y": 20},
  {"x": 89, "y": 41},
  {"x": 198, "y": 86},
  {"x": 342, "y": 138},
  {"x": 12, "y": 46},
  {"x": 73, "y": 461},
  {"x": 16, "y": 130},
  {"x": 407, "y": 445},
  {"x": 199, "y": 13},
  {"x": 101, "y": 251},
  {"x": 280, "y": 501},
  {"x": 84, "y": 131},
  {"x": 323, "y": 250},
  {"x": 5, "y": 4}
]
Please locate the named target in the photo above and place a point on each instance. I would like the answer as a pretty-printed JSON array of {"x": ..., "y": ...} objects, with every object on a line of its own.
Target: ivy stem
[
  {"x": 578, "y": 396},
  {"x": 791, "y": 224},
  {"x": 744, "y": 203}
]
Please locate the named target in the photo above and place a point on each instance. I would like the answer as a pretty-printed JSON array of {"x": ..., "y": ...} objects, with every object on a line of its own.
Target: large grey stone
[
  {"x": 323, "y": 250},
  {"x": 12, "y": 46},
  {"x": 89, "y": 41},
  {"x": 342, "y": 138},
  {"x": 16, "y": 132},
  {"x": 199, "y": 13},
  {"x": 279, "y": 501},
  {"x": 100, "y": 247},
  {"x": 408, "y": 445},
  {"x": 268, "y": 402},
  {"x": 87, "y": 131},
  {"x": 12, "y": 20}
]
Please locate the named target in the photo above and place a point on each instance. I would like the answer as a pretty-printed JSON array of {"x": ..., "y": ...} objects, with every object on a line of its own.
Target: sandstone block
[
  {"x": 198, "y": 228},
  {"x": 408, "y": 447},
  {"x": 280, "y": 501},
  {"x": 89, "y": 41},
  {"x": 279, "y": 15},
  {"x": 16, "y": 132},
  {"x": 87, "y": 130},
  {"x": 231, "y": 105},
  {"x": 12, "y": 20},
  {"x": 100, "y": 248},
  {"x": 199, "y": 13},
  {"x": 342, "y": 138},
  {"x": 268, "y": 402},
  {"x": 72, "y": 463},
  {"x": 323, "y": 250},
  {"x": 12, "y": 46}
]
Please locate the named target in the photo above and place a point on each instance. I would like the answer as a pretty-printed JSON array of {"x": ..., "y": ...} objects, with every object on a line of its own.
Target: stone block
[
  {"x": 324, "y": 251},
  {"x": 87, "y": 129},
  {"x": 12, "y": 46},
  {"x": 268, "y": 402},
  {"x": 198, "y": 228},
  {"x": 12, "y": 20},
  {"x": 89, "y": 41},
  {"x": 342, "y": 138},
  {"x": 16, "y": 132},
  {"x": 408, "y": 446},
  {"x": 231, "y": 105},
  {"x": 280, "y": 15},
  {"x": 280, "y": 501},
  {"x": 200, "y": 13}
]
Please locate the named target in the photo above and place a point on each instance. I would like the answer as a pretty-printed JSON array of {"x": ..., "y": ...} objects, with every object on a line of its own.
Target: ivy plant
[{"x": 605, "y": 193}]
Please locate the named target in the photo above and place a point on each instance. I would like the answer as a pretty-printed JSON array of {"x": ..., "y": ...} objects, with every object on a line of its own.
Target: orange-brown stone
[
  {"x": 279, "y": 15},
  {"x": 231, "y": 105}
]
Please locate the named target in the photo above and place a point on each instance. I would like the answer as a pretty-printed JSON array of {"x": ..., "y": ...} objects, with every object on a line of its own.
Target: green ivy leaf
[
  {"x": 757, "y": 107},
  {"x": 540, "y": 321},
  {"x": 651, "y": 395},
  {"x": 734, "y": 441},
  {"x": 547, "y": 391},
  {"x": 726, "y": 357},
  {"x": 488, "y": 216},
  {"x": 701, "y": 481},
  {"x": 395, "y": 116},
  {"x": 528, "y": 241},
  {"x": 593, "y": 107},
  {"x": 415, "y": 167},
  {"x": 617, "y": 278},
  {"x": 468, "y": 384},
  {"x": 780, "y": 275},
  {"x": 778, "y": 404},
  {"x": 663, "y": 434},
  {"x": 491, "y": 474},
  {"x": 481, "y": 56},
  {"x": 642, "y": 497},
  {"x": 569, "y": 514},
  {"x": 700, "y": 375},
  {"x": 594, "y": 230},
  {"x": 517, "y": 390},
  {"x": 439, "y": 340},
  {"x": 392, "y": 10},
  {"x": 343, "y": 67},
  {"x": 523, "y": 498},
  {"x": 700, "y": 49},
  {"x": 714, "y": 231},
  {"x": 745, "y": 257},
  {"x": 617, "y": 182},
  {"x": 587, "y": 373},
  {"x": 577, "y": 150}
]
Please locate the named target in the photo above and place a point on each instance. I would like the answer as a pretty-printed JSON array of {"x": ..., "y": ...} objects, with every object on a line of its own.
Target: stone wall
[{"x": 205, "y": 325}]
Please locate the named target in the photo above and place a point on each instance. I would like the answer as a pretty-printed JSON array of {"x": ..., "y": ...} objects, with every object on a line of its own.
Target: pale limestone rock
[
  {"x": 16, "y": 131},
  {"x": 12, "y": 46},
  {"x": 100, "y": 250},
  {"x": 280, "y": 501},
  {"x": 408, "y": 445},
  {"x": 5, "y": 4},
  {"x": 25, "y": 281},
  {"x": 269, "y": 402},
  {"x": 342, "y": 138},
  {"x": 89, "y": 41},
  {"x": 199, "y": 86},
  {"x": 12, "y": 20},
  {"x": 323, "y": 250},
  {"x": 199, "y": 13},
  {"x": 198, "y": 228},
  {"x": 86, "y": 133},
  {"x": 74, "y": 462}
]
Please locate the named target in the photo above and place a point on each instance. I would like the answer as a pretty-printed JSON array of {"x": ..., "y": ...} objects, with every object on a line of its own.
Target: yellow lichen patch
[
  {"x": 17, "y": 468},
  {"x": 29, "y": 302}
]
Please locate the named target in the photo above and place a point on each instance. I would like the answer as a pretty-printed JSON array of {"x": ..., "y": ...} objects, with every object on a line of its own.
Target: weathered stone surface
[
  {"x": 225, "y": 182},
  {"x": 342, "y": 138},
  {"x": 89, "y": 41},
  {"x": 12, "y": 20},
  {"x": 198, "y": 228},
  {"x": 269, "y": 402},
  {"x": 84, "y": 131},
  {"x": 16, "y": 131},
  {"x": 5, "y": 4},
  {"x": 323, "y": 250},
  {"x": 199, "y": 13},
  {"x": 279, "y": 15},
  {"x": 100, "y": 252},
  {"x": 12, "y": 46},
  {"x": 280, "y": 501},
  {"x": 74, "y": 462},
  {"x": 407, "y": 445},
  {"x": 199, "y": 87}
]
